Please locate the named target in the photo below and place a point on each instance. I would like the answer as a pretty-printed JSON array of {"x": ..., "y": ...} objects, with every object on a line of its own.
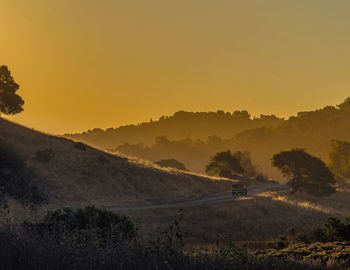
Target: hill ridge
[{"x": 74, "y": 175}]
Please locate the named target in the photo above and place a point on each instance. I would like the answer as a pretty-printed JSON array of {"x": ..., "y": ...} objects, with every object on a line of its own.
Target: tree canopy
[
  {"x": 340, "y": 158},
  {"x": 10, "y": 102},
  {"x": 305, "y": 172},
  {"x": 224, "y": 164}
]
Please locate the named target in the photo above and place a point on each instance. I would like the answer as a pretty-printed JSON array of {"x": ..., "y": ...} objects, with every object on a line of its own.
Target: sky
[{"x": 83, "y": 64}]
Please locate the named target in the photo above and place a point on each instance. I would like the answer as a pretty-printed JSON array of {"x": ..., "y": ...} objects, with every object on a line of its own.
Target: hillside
[
  {"x": 181, "y": 125},
  {"x": 256, "y": 217},
  {"x": 70, "y": 173},
  {"x": 192, "y": 138},
  {"x": 312, "y": 130}
]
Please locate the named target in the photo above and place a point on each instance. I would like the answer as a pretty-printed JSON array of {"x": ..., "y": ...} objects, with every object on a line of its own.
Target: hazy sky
[{"x": 103, "y": 63}]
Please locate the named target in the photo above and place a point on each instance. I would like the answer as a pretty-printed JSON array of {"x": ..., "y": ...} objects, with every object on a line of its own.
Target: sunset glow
[{"x": 90, "y": 63}]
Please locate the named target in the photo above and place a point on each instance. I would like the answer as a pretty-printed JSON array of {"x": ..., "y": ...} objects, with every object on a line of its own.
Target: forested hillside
[
  {"x": 192, "y": 138},
  {"x": 181, "y": 125}
]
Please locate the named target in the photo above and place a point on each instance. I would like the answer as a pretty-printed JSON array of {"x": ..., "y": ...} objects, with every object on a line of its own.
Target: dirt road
[{"x": 217, "y": 198}]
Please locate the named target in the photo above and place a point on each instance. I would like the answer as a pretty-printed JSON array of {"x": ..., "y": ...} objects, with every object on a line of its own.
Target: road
[{"x": 217, "y": 198}]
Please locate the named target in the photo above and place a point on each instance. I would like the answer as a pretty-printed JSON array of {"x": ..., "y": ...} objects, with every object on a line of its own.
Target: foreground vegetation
[{"x": 90, "y": 238}]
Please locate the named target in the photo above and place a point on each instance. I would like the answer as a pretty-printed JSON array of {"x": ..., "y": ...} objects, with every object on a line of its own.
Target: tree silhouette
[
  {"x": 340, "y": 158},
  {"x": 305, "y": 172},
  {"x": 224, "y": 164},
  {"x": 10, "y": 102},
  {"x": 246, "y": 163}
]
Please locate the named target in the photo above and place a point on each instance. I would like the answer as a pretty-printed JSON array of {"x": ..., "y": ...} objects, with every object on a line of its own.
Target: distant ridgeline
[
  {"x": 192, "y": 138},
  {"x": 182, "y": 125}
]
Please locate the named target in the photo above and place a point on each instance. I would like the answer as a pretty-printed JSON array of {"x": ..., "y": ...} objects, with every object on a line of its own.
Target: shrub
[
  {"x": 32, "y": 249},
  {"x": 87, "y": 224},
  {"x": 16, "y": 179},
  {"x": 333, "y": 230},
  {"x": 80, "y": 146},
  {"x": 44, "y": 155}
]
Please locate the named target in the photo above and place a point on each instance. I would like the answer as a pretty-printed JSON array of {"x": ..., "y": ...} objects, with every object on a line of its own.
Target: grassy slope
[
  {"x": 262, "y": 217},
  {"x": 75, "y": 176}
]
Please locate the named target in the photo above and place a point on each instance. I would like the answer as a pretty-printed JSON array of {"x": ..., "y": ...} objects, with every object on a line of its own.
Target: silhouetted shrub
[
  {"x": 333, "y": 230},
  {"x": 45, "y": 155},
  {"x": 88, "y": 224},
  {"x": 44, "y": 246},
  {"x": 80, "y": 146},
  {"x": 16, "y": 179}
]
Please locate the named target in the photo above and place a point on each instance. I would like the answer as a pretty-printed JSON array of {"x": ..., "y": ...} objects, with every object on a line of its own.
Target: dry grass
[
  {"x": 77, "y": 177},
  {"x": 262, "y": 217},
  {"x": 337, "y": 204},
  {"x": 252, "y": 219}
]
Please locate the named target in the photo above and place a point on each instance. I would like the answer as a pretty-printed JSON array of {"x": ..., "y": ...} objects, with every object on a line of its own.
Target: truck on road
[{"x": 239, "y": 189}]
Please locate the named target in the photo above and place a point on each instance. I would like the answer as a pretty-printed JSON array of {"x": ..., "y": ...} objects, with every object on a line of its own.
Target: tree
[
  {"x": 10, "y": 102},
  {"x": 246, "y": 163},
  {"x": 241, "y": 114},
  {"x": 224, "y": 164},
  {"x": 305, "y": 172},
  {"x": 340, "y": 158}
]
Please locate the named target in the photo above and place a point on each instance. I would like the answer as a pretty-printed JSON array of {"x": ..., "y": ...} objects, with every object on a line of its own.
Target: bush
[
  {"x": 333, "y": 230},
  {"x": 45, "y": 246},
  {"x": 89, "y": 224},
  {"x": 44, "y": 155},
  {"x": 79, "y": 146},
  {"x": 28, "y": 251},
  {"x": 16, "y": 179}
]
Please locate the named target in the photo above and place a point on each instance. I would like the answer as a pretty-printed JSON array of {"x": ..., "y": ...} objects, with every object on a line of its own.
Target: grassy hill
[
  {"x": 261, "y": 217},
  {"x": 73, "y": 173},
  {"x": 192, "y": 138}
]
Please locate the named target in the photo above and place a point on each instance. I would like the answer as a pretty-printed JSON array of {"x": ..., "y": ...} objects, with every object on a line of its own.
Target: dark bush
[
  {"x": 44, "y": 155},
  {"x": 333, "y": 230},
  {"x": 87, "y": 224},
  {"x": 17, "y": 180},
  {"x": 80, "y": 146},
  {"x": 46, "y": 246}
]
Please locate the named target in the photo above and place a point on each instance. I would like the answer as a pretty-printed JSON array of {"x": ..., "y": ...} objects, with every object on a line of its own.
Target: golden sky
[{"x": 103, "y": 63}]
